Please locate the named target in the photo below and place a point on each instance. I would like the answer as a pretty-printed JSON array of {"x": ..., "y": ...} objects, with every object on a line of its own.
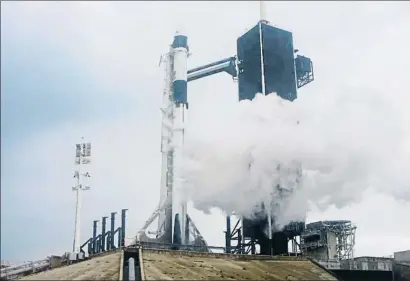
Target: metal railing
[
  {"x": 160, "y": 245},
  {"x": 12, "y": 272}
]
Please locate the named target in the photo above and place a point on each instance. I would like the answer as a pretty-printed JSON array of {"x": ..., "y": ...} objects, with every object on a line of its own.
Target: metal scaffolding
[{"x": 329, "y": 239}]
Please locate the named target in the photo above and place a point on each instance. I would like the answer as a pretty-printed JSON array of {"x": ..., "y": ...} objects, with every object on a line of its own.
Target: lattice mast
[{"x": 82, "y": 157}]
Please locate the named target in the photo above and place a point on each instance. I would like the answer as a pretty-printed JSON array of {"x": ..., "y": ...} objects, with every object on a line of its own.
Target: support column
[
  {"x": 94, "y": 247},
  {"x": 228, "y": 235},
  {"x": 122, "y": 232},
  {"x": 112, "y": 246},
  {"x": 103, "y": 233}
]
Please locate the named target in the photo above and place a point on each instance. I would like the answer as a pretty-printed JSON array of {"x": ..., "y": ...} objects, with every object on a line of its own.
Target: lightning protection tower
[{"x": 82, "y": 157}]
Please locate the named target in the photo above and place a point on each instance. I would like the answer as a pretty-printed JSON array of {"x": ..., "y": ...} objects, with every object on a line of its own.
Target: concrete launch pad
[
  {"x": 165, "y": 264},
  {"x": 178, "y": 265},
  {"x": 184, "y": 265}
]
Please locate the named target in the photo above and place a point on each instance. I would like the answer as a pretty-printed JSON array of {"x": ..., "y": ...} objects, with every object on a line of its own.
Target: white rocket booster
[{"x": 179, "y": 205}]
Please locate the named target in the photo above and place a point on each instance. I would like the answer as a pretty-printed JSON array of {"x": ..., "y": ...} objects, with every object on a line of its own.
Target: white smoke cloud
[{"x": 344, "y": 146}]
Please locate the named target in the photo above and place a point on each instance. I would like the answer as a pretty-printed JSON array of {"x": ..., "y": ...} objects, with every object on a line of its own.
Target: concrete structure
[
  {"x": 360, "y": 263},
  {"x": 401, "y": 272},
  {"x": 56, "y": 261},
  {"x": 403, "y": 256},
  {"x": 401, "y": 266},
  {"x": 329, "y": 240},
  {"x": 165, "y": 264},
  {"x": 179, "y": 265},
  {"x": 154, "y": 264},
  {"x": 361, "y": 268},
  {"x": 371, "y": 268}
]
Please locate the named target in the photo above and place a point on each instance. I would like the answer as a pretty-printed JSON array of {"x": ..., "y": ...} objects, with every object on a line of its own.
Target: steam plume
[{"x": 328, "y": 155}]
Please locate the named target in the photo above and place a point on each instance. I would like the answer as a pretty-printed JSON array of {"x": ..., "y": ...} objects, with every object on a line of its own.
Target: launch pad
[{"x": 266, "y": 62}]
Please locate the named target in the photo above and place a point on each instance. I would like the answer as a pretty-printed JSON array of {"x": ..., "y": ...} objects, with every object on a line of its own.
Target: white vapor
[{"x": 344, "y": 146}]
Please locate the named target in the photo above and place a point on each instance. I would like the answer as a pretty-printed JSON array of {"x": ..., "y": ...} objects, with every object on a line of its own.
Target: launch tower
[{"x": 267, "y": 64}]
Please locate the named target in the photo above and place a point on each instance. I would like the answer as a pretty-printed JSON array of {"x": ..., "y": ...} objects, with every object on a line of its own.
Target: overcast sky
[{"x": 72, "y": 69}]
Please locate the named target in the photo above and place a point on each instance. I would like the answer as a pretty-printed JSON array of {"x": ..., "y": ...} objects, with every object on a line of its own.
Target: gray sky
[{"x": 72, "y": 69}]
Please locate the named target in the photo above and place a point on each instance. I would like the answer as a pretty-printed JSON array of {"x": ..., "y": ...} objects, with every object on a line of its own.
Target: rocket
[{"x": 180, "y": 103}]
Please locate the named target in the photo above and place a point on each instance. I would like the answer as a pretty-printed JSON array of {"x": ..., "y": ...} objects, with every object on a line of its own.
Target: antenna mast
[
  {"x": 262, "y": 11},
  {"x": 82, "y": 157}
]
